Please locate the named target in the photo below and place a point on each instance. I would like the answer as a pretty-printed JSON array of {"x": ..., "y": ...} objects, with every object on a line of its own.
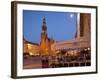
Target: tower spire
[
  {"x": 44, "y": 27},
  {"x": 44, "y": 44},
  {"x": 44, "y": 20}
]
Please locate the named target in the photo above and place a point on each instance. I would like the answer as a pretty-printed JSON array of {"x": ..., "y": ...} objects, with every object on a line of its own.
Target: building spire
[
  {"x": 44, "y": 20},
  {"x": 44, "y": 27}
]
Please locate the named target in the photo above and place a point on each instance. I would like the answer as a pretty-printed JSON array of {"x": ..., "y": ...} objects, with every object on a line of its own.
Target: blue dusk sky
[{"x": 60, "y": 25}]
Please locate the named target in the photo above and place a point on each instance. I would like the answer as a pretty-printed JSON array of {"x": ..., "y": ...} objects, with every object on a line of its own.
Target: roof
[{"x": 30, "y": 42}]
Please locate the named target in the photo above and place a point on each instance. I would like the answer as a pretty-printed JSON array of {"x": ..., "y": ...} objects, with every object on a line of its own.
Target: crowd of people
[{"x": 61, "y": 60}]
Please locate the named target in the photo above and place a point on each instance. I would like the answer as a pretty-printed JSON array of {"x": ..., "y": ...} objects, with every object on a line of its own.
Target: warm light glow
[
  {"x": 29, "y": 46},
  {"x": 88, "y": 48},
  {"x": 85, "y": 49},
  {"x": 46, "y": 49},
  {"x": 31, "y": 53}
]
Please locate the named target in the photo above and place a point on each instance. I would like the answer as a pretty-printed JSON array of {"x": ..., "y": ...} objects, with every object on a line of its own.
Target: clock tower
[{"x": 44, "y": 43}]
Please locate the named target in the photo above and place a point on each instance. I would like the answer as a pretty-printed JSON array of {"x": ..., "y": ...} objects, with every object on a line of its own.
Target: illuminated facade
[
  {"x": 31, "y": 48},
  {"x": 45, "y": 43}
]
